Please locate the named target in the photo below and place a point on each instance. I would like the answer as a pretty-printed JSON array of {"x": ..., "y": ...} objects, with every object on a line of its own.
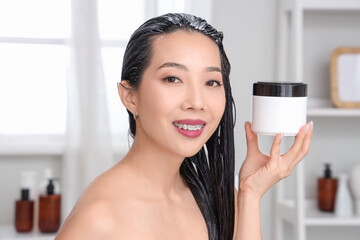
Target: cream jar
[{"x": 278, "y": 107}]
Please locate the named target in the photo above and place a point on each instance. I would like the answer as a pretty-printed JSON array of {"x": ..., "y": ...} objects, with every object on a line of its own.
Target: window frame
[{"x": 54, "y": 144}]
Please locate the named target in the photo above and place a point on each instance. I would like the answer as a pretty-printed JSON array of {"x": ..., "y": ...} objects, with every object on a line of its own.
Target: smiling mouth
[{"x": 189, "y": 127}]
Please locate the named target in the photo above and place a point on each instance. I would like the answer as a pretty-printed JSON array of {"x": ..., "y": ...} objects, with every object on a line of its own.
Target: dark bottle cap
[
  {"x": 280, "y": 89},
  {"x": 50, "y": 187},
  {"x": 25, "y": 194},
  {"x": 327, "y": 172}
]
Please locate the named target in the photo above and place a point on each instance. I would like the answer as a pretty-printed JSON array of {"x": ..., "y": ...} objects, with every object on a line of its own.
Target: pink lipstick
[{"x": 189, "y": 127}]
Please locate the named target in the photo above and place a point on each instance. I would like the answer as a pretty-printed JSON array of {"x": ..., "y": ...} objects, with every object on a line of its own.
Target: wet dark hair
[{"x": 210, "y": 173}]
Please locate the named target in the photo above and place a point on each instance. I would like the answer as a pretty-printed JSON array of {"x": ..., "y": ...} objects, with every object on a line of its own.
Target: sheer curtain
[
  {"x": 89, "y": 149},
  {"x": 88, "y": 146}
]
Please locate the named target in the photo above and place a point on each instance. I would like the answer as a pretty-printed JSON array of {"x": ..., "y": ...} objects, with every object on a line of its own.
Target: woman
[{"x": 176, "y": 182}]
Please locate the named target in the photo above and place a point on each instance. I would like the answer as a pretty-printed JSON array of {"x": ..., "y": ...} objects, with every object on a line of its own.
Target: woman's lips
[
  {"x": 191, "y": 121},
  {"x": 190, "y": 127}
]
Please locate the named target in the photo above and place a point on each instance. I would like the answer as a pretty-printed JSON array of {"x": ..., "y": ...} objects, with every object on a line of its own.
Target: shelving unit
[
  {"x": 314, "y": 217},
  {"x": 323, "y": 5},
  {"x": 35, "y": 155},
  {"x": 297, "y": 63},
  {"x": 321, "y": 107},
  {"x": 8, "y": 232},
  {"x": 30, "y": 145}
]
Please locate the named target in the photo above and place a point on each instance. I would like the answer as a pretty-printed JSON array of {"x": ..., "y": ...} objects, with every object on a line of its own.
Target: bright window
[
  {"x": 34, "y": 59},
  {"x": 33, "y": 62},
  {"x": 32, "y": 88}
]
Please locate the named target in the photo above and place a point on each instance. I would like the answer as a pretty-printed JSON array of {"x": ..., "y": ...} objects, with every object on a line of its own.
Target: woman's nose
[{"x": 193, "y": 99}]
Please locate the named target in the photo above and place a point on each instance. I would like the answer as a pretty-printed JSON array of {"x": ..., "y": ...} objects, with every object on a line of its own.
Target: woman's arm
[
  {"x": 260, "y": 172},
  {"x": 248, "y": 226}
]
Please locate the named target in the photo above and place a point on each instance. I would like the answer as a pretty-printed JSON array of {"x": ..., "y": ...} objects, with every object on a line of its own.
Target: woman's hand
[{"x": 260, "y": 172}]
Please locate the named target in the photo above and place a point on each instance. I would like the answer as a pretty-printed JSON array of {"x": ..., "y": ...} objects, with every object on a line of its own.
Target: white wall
[{"x": 249, "y": 40}]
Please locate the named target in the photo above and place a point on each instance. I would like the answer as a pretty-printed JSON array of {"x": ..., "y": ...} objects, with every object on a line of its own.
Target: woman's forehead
[{"x": 187, "y": 47}]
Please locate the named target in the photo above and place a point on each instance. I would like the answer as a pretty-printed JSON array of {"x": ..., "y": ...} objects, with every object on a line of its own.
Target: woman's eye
[
  {"x": 213, "y": 83},
  {"x": 171, "y": 79}
]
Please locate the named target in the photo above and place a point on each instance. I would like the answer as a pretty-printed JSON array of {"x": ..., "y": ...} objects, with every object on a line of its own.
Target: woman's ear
[{"x": 127, "y": 95}]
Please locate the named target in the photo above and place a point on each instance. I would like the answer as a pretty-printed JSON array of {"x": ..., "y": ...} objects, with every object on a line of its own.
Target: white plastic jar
[{"x": 278, "y": 107}]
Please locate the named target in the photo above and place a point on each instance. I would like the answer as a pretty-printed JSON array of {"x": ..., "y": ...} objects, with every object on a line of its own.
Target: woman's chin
[{"x": 188, "y": 154}]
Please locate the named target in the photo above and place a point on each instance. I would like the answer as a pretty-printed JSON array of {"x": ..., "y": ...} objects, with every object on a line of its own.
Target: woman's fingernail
[
  {"x": 281, "y": 136},
  {"x": 312, "y": 125},
  {"x": 307, "y": 128}
]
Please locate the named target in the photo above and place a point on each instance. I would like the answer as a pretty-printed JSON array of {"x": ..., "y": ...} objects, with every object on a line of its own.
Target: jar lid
[{"x": 280, "y": 89}]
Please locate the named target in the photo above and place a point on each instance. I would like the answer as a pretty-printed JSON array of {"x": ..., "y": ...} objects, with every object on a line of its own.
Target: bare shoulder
[
  {"x": 100, "y": 210},
  {"x": 93, "y": 221}
]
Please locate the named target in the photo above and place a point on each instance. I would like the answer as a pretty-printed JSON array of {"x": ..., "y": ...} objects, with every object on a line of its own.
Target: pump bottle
[
  {"x": 49, "y": 209},
  {"x": 24, "y": 212},
  {"x": 327, "y": 187}
]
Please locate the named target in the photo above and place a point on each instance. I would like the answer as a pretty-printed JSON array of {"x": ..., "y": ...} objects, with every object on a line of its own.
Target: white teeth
[{"x": 188, "y": 126}]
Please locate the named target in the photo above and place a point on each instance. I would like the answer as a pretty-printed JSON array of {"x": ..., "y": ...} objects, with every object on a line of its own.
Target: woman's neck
[{"x": 156, "y": 168}]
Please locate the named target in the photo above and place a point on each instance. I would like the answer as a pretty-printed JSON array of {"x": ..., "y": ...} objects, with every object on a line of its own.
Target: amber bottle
[
  {"x": 327, "y": 187},
  {"x": 24, "y": 212},
  {"x": 49, "y": 210}
]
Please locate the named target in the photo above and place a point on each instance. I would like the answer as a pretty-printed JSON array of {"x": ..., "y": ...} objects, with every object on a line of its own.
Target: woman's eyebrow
[
  {"x": 212, "y": 69},
  {"x": 175, "y": 65},
  {"x": 183, "y": 67}
]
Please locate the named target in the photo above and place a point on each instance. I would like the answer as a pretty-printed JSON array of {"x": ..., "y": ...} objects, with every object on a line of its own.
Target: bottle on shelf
[
  {"x": 355, "y": 187},
  {"x": 343, "y": 202},
  {"x": 327, "y": 187},
  {"x": 49, "y": 209},
  {"x": 24, "y": 212}
]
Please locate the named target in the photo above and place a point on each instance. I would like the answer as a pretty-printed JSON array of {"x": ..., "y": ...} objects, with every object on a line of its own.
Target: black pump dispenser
[
  {"x": 24, "y": 194},
  {"x": 327, "y": 172},
  {"x": 50, "y": 187}
]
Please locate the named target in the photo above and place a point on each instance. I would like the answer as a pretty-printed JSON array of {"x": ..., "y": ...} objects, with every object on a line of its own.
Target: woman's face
[{"x": 181, "y": 98}]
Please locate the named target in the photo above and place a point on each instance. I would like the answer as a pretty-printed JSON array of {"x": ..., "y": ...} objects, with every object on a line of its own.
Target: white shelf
[
  {"x": 321, "y": 107},
  {"x": 31, "y": 144},
  {"x": 331, "y": 5},
  {"x": 325, "y": 5},
  {"x": 8, "y": 232},
  {"x": 46, "y": 145},
  {"x": 315, "y": 217}
]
